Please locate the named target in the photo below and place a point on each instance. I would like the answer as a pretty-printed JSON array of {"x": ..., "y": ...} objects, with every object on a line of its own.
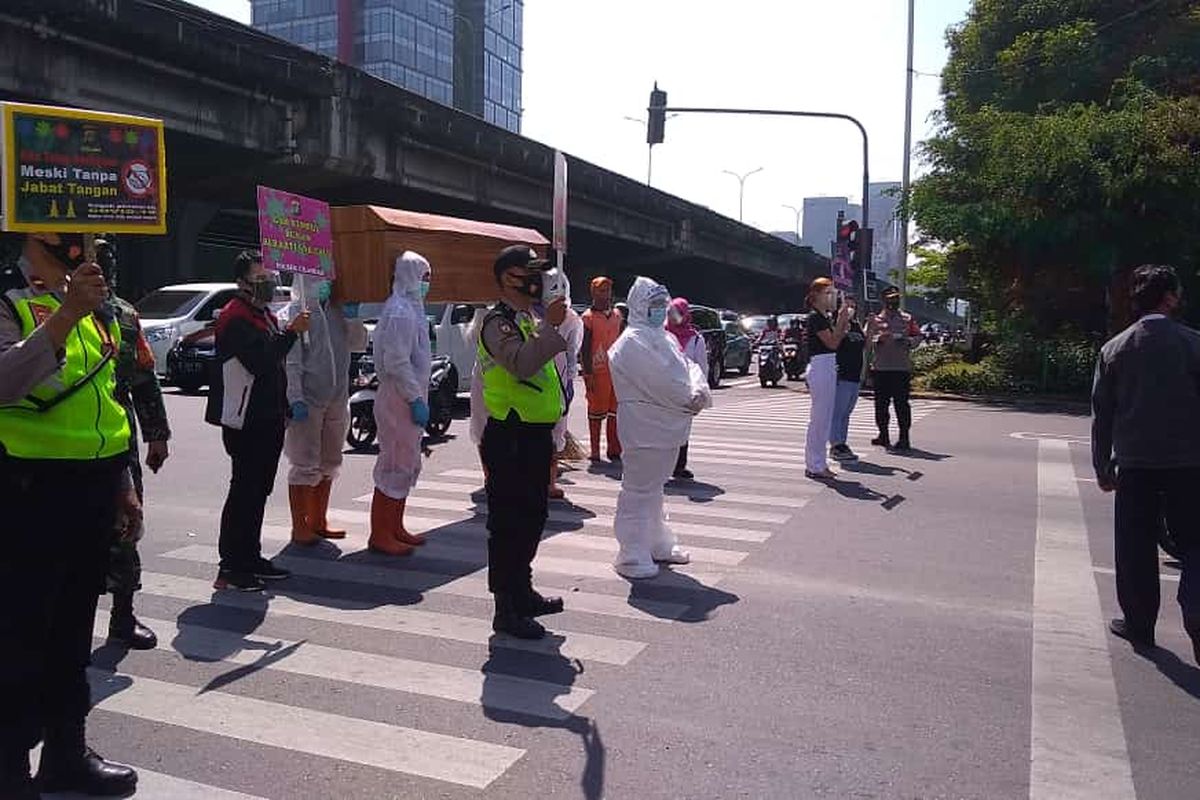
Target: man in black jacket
[
  {"x": 1146, "y": 447},
  {"x": 248, "y": 399}
]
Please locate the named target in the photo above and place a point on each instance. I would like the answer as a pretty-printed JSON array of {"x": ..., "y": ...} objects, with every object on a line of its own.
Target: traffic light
[
  {"x": 657, "y": 116},
  {"x": 860, "y": 251}
]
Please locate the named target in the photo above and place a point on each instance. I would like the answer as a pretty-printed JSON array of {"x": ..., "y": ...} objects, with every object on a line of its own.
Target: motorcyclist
[
  {"x": 771, "y": 334},
  {"x": 795, "y": 331}
]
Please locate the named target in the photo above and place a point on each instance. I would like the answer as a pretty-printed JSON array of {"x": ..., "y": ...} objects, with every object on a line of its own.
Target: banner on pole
[
  {"x": 78, "y": 171},
  {"x": 295, "y": 232},
  {"x": 840, "y": 269},
  {"x": 559, "y": 237}
]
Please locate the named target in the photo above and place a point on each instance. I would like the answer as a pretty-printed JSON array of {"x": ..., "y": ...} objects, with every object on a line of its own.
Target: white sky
[{"x": 589, "y": 63}]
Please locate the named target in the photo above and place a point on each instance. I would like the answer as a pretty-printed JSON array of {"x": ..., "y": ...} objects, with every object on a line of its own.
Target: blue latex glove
[
  {"x": 299, "y": 411},
  {"x": 420, "y": 412}
]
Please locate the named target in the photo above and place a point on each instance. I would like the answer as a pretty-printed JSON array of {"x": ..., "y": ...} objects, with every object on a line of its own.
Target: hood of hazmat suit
[
  {"x": 658, "y": 390},
  {"x": 312, "y": 363},
  {"x": 402, "y": 356}
]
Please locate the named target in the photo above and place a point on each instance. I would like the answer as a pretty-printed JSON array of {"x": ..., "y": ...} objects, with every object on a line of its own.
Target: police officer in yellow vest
[
  {"x": 65, "y": 489},
  {"x": 524, "y": 400}
]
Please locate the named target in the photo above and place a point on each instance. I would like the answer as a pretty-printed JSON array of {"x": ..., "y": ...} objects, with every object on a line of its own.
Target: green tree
[{"x": 1068, "y": 151}]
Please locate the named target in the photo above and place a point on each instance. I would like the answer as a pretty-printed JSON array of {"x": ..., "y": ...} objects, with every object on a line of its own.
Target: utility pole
[
  {"x": 741, "y": 179},
  {"x": 902, "y": 270}
]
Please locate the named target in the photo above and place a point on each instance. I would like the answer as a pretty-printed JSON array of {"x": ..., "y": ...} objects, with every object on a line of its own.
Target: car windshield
[
  {"x": 166, "y": 303},
  {"x": 754, "y": 325}
]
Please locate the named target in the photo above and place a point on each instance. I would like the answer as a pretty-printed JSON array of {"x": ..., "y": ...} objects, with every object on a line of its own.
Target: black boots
[
  {"x": 537, "y": 606},
  {"x": 902, "y": 444},
  {"x": 15, "y": 781},
  {"x": 882, "y": 440},
  {"x": 512, "y": 618},
  {"x": 123, "y": 627},
  {"x": 69, "y": 765}
]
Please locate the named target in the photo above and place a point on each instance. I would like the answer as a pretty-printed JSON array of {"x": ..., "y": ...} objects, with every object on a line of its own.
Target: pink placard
[{"x": 296, "y": 233}]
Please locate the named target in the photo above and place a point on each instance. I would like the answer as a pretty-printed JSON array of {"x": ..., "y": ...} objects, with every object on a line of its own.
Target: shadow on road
[
  {"x": 694, "y": 491},
  {"x": 701, "y": 601},
  {"x": 1179, "y": 672},
  {"x": 555, "y": 674},
  {"x": 922, "y": 455}
]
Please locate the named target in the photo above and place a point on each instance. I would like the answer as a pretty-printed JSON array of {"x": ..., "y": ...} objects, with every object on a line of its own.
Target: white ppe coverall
[
  {"x": 317, "y": 368},
  {"x": 567, "y": 363},
  {"x": 658, "y": 393},
  {"x": 402, "y": 356}
]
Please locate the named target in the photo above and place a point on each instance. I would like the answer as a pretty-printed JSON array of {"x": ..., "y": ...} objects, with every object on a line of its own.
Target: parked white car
[{"x": 172, "y": 312}]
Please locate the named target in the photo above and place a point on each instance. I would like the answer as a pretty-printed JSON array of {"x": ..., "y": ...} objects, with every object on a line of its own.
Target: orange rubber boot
[
  {"x": 401, "y": 533},
  {"x": 321, "y": 508},
  {"x": 301, "y": 499},
  {"x": 384, "y": 522}
]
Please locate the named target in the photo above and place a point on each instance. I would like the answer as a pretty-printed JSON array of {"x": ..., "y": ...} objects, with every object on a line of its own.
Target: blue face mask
[
  {"x": 424, "y": 288},
  {"x": 324, "y": 289},
  {"x": 658, "y": 316}
]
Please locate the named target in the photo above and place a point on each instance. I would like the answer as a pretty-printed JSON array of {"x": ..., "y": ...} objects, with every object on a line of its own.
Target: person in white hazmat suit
[
  {"x": 658, "y": 393},
  {"x": 568, "y": 367},
  {"x": 402, "y": 362},
  {"x": 317, "y": 370}
]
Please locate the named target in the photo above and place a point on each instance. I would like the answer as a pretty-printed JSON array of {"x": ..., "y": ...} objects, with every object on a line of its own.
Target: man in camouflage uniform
[{"x": 138, "y": 391}]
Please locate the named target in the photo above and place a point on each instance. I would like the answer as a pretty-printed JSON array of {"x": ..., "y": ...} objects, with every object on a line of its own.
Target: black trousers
[
  {"x": 681, "y": 462},
  {"x": 255, "y": 455},
  {"x": 58, "y": 526},
  {"x": 517, "y": 457},
  {"x": 1145, "y": 497},
  {"x": 893, "y": 388}
]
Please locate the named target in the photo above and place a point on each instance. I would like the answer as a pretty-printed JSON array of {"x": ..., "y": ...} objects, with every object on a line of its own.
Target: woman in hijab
[
  {"x": 691, "y": 342},
  {"x": 658, "y": 393},
  {"x": 402, "y": 356},
  {"x": 824, "y": 338}
]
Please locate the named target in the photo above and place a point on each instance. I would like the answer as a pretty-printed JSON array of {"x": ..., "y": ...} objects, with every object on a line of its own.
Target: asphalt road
[{"x": 930, "y": 626}]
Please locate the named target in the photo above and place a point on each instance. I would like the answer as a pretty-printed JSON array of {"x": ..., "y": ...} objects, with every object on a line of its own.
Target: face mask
[
  {"x": 424, "y": 289},
  {"x": 658, "y": 316},
  {"x": 529, "y": 285},
  {"x": 675, "y": 317},
  {"x": 324, "y": 289},
  {"x": 69, "y": 250},
  {"x": 263, "y": 291},
  {"x": 892, "y": 305}
]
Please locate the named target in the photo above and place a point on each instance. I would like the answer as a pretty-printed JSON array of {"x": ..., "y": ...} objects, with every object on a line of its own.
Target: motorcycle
[
  {"x": 791, "y": 361},
  {"x": 443, "y": 389},
  {"x": 770, "y": 367}
]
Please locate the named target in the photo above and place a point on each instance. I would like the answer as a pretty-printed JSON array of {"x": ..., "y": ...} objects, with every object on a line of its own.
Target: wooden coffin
[{"x": 368, "y": 239}]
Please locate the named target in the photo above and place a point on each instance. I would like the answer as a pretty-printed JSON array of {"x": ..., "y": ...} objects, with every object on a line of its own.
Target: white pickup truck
[{"x": 449, "y": 326}]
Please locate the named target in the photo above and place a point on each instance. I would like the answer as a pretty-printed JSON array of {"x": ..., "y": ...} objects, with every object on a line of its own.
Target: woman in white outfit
[
  {"x": 567, "y": 363},
  {"x": 658, "y": 392},
  {"x": 691, "y": 342},
  {"x": 824, "y": 337},
  {"x": 402, "y": 361}
]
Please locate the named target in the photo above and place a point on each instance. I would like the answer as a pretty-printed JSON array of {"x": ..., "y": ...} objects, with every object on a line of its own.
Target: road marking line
[
  {"x": 564, "y": 517},
  {"x": 151, "y": 784},
  {"x": 395, "y": 619},
  {"x": 376, "y": 744},
  {"x": 473, "y": 585},
  {"x": 1078, "y": 749},
  {"x": 538, "y": 698},
  {"x": 467, "y": 506},
  {"x": 703, "y": 498}
]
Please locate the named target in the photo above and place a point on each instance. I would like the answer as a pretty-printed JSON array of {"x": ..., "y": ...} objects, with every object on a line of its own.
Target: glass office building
[{"x": 463, "y": 53}]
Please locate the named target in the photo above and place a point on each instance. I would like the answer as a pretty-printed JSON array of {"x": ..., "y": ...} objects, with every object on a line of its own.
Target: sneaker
[
  {"x": 267, "y": 571},
  {"x": 241, "y": 581},
  {"x": 683, "y": 475},
  {"x": 842, "y": 452},
  {"x": 1138, "y": 638},
  {"x": 883, "y": 440},
  {"x": 903, "y": 445}
]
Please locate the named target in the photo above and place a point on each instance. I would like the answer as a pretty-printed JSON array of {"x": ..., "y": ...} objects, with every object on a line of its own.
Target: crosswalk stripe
[
  {"x": 420, "y": 582},
  {"x": 598, "y": 521},
  {"x": 721, "y": 451},
  {"x": 157, "y": 785},
  {"x": 586, "y": 647},
  {"x": 565, "y": 540},
  {"x": 701, "y": 498},
  {"x": 376, "y": 744},
  {"x": 741, "y": 445},
  {"x": 508, "y": 692},
  {"x": 467, "y": 506}
]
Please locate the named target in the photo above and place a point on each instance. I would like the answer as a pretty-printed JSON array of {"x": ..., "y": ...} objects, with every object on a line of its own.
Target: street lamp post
[
  {"x": 902, "y": 268},
  {"x": 795, "y": 211},
  {"x": 741, "y": 179}
]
